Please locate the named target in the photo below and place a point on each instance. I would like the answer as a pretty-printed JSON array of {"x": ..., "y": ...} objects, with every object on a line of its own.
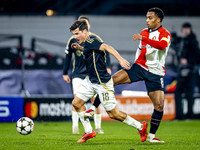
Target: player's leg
[
  {"x": 157, "y": 98},
  {"x": 155, "y": 88},
  {"x": 108, "y": 101},
  {"x": 121, "y": 77},
  {"x": 97, "y": 118},
  {"x": 91, "y": 111},
  {"x": 78, "y": 104},
  {"x": 75, "y": 118},
  {"x": 125, "y": 118},
  {"x": 84, "y": 92}
]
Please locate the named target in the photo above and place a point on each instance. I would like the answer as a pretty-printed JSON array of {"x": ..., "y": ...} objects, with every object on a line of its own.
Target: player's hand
[
  {"x": 67, "y": 78},
  {"x": 137, "y": 37},
  {"x": 109, "y": 71},
  {"x": 76, "y": 46},
  {"x": 125, "y": 64}
]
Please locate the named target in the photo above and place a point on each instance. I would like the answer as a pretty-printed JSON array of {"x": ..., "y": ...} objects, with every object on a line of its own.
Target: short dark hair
[
  {"x": 158, "y": 12},
  {"x": 186, "y": 25},
  {"x": 81, "y": 24},
  {"x": 83, "y": 17}
]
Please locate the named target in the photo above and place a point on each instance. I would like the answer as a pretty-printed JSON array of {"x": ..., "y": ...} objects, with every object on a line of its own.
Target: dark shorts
[{"x": 153, "y": 82}]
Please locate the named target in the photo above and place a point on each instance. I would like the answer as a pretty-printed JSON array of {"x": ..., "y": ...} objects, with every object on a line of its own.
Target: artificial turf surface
[{"x": 178, "y": 135}]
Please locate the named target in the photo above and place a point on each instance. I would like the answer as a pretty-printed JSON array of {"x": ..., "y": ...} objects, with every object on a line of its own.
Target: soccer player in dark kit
[
  {"x": 78, "y": 75},
  {"x": 98, "y": 81}
]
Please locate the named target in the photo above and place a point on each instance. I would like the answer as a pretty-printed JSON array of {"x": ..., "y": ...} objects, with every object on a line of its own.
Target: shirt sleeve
[
  {"x": 161, "y": 44},
  {"x": 92, "y": 44},
  {"x": 68, "y": 56},
  {"x": 138, "y": 51}
]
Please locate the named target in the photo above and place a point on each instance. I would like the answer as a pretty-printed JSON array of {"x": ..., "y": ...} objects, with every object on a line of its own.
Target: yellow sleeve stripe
[{"x": 165, "y": 39}]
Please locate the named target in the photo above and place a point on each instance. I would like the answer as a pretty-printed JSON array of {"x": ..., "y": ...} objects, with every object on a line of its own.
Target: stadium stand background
[{"x": 114, "y": 21}]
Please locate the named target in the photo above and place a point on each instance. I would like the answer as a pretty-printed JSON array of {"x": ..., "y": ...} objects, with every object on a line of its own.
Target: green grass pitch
[{"x": 178, "y": 135}]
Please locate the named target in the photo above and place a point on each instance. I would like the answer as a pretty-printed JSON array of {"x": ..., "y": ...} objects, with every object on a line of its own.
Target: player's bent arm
[
  {"x": 124, "y": 63},
  {"x": 67, "y": 61},
  {"x": 76, "y": 46},
  {"x": 162, "y": 44},
  {"x": 111, "y": 50}
]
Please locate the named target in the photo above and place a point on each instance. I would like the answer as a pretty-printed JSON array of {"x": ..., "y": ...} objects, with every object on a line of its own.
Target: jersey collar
[{"x": 155, "y": 29}]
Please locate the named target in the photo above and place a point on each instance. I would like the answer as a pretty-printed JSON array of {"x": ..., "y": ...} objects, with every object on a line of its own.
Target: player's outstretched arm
[
  {"x": 123, "y": 62},
  {"x": 162, "y": 44}
]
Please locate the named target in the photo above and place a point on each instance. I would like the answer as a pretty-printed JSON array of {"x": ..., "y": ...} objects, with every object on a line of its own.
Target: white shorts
[
  {"x": 88, "y": 90},
  {"x": 76, "y": 82}
]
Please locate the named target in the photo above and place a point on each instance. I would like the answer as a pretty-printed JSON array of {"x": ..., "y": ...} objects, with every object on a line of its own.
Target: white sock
[
  {"x": 86, "y": 122},
  {"x": 151, "y": 135},
  {"x": 93, "y": 108},
  {"x": 132, "y": 122},
  {"x": 75, "y": 118},
  {"x": 97, "y": 121}
]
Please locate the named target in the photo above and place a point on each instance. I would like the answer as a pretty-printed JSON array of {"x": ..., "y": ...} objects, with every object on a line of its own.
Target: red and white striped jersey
[{"x": 152, "y": 50}]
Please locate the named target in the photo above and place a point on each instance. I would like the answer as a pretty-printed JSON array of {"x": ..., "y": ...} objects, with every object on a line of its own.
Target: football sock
[
  {"x": 132, "y": 122},
  {"x": 151, "y": 136},
  {"x": 97, "y": 101},
  {"x": 155, "y": 121},
  {"x": 97, "y": 121},
  {"x": 86, "y": 122},
  {"x": 75, "y": 118}
]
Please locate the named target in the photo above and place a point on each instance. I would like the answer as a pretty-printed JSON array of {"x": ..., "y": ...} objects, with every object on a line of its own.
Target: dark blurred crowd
[{"x": 188, "y": 69}]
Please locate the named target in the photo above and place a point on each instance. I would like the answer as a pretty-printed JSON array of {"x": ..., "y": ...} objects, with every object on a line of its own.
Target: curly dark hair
[{"x": 158, "y": 12}]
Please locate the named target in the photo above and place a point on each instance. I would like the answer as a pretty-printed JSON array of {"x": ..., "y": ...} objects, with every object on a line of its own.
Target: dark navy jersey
[
  {"x": 95, "y": 60},
  {"x": 79, "y": 66}
]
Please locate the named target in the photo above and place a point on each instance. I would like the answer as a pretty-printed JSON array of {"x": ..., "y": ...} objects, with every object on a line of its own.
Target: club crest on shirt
[
  {"x": 79, "y": 53},
  {"x": 154, "y": 38}
]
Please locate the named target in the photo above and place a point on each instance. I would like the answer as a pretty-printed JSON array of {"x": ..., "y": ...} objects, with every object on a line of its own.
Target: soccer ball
[{"x": 25, "y": 125}]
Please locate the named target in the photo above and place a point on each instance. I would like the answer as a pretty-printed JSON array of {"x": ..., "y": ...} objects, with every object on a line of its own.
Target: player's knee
[
  {"x": 75, "y": 104},
  {"x": 112, "y": 116},
  {"x": 159, "y": 106},
  {"x": 115, "y": 78}
]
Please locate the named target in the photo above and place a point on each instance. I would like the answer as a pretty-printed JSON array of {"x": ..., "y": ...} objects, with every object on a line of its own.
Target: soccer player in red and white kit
[{"x": 149, "y": 66}]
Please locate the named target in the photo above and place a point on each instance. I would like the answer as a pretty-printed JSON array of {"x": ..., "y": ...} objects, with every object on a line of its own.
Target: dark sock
[
  {"x": 97, "y": 101},
  {"x": 155, "y": 121}
]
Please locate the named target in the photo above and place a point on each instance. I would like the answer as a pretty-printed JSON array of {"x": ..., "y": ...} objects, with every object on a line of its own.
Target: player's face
[
  {"x": 186, "y": 31},
  {"x": 153, "y": 22},
  {"x": 80, "y": 36}
]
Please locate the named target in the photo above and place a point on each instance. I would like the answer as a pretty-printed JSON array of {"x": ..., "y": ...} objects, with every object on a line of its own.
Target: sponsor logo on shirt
[{"x": 79, "y": 53}]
